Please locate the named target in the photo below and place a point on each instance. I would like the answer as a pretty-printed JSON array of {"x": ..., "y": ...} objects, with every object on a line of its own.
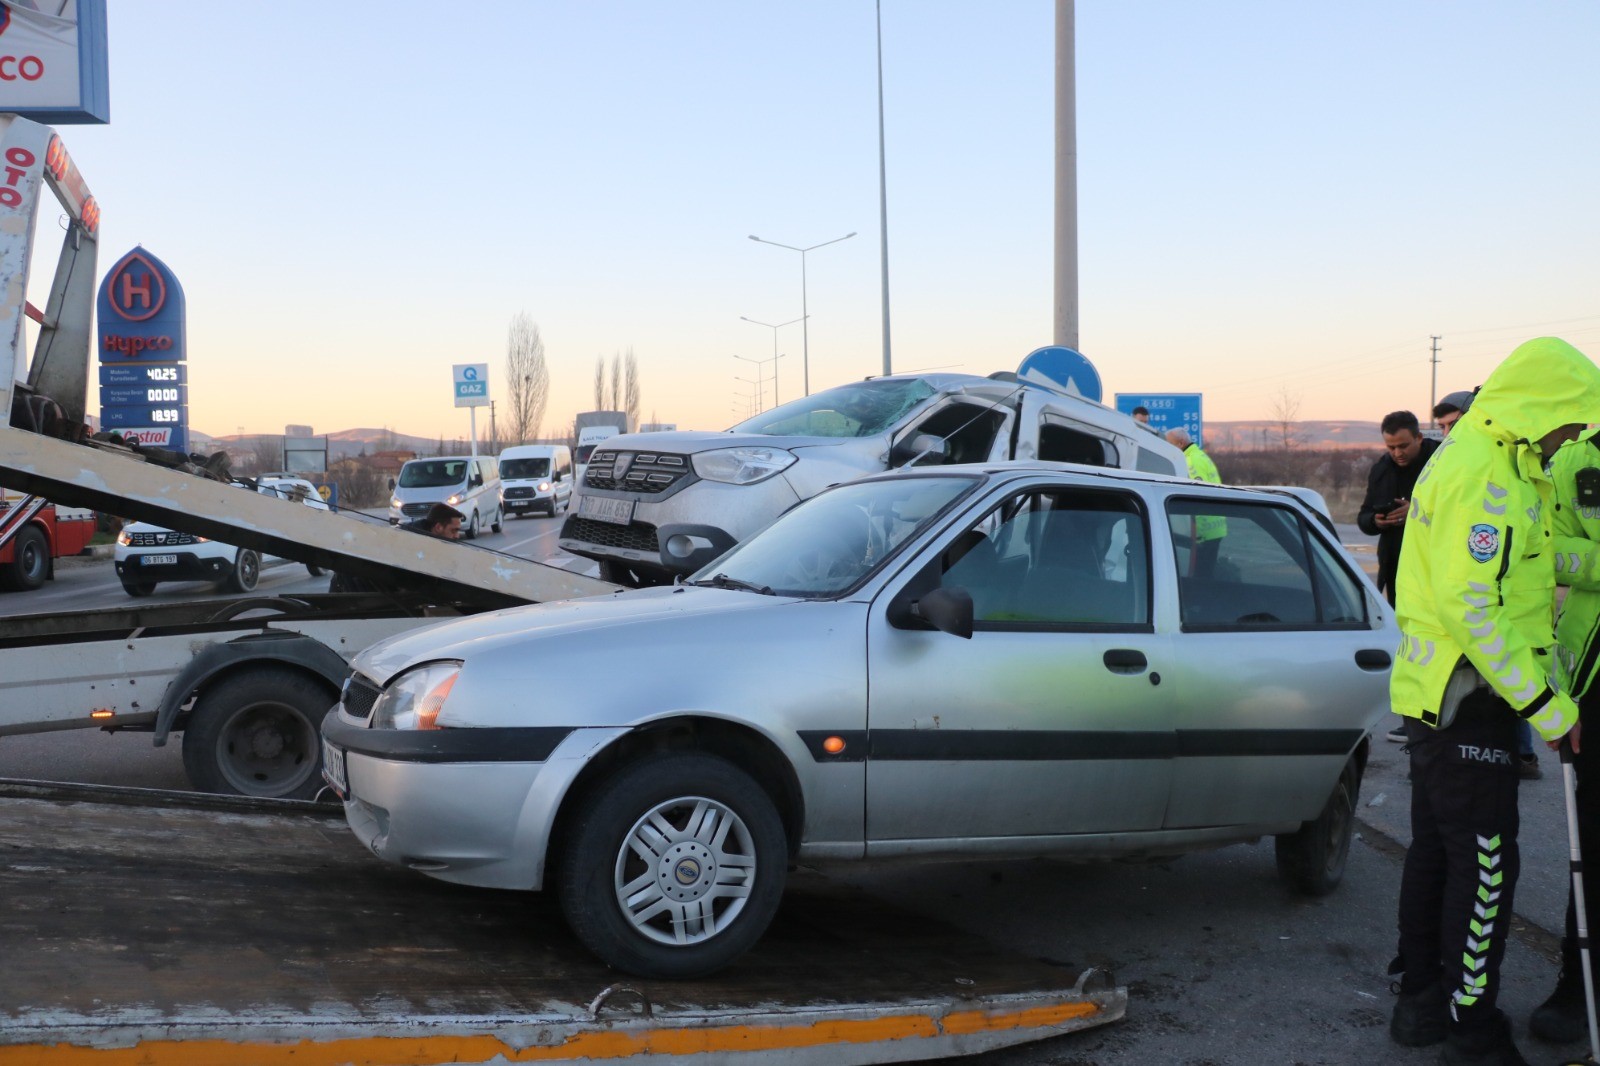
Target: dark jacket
[{"x": 1389, "y": 481}]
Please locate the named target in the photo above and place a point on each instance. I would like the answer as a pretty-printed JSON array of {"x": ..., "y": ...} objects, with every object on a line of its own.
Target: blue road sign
[
  {"x": 120, "y": 395},
  {"x": 135, "y": 415},
  {"x": 135, "y": 374},
  {"x": 1168, "y": 410},
  {"x": 1064, "y": 369}
]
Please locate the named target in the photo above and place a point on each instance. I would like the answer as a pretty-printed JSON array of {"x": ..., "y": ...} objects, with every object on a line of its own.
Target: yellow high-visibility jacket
[
  {"x": 1477, "y": 568},
  {"x": 1577, "y": 548}
]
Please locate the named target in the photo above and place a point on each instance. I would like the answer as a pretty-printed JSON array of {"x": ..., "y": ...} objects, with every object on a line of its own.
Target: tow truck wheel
[
  {"x": 258, "y": 733},
  {"x": 245, "y": 574},
  {"x": 30, "y": 561},
  {"x": 1312, "y": 859},
  {"x": 138, "y": 588},
  {"x": 675, "y": 867}
]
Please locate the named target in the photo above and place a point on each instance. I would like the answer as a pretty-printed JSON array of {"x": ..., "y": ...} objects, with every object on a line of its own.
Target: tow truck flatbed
[{"x": 144, "y": 926}]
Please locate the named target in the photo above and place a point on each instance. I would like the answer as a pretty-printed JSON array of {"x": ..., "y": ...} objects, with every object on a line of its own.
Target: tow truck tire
[
  {"x": 245, "y": 575},
  {"x": 138, "y": 588},
  {"x": 725, "y": 851},
  {"x": 1311, "y": 860},
  {"x": 258, "y": 732},
  {"x": 30, "y": 561}
]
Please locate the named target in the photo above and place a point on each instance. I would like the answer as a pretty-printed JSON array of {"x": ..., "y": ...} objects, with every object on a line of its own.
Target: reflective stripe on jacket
[{"x": 1577, "y": 559}]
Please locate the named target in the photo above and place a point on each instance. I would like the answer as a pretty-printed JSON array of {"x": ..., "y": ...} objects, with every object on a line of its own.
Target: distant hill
[{"x": 1243, "y": 436}]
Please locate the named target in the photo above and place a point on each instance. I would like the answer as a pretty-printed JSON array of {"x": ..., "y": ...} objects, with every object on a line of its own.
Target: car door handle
[
  {"x": 1372, "y": 659},
  {"x": 1125, "y": 661}
]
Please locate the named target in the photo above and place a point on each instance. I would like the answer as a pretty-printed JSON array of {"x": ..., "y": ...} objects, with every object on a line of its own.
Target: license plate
[
  {"x": 333, "y": 769},
  {"x": 606, "y": 509},
  {"x": 158, "y": 560}
]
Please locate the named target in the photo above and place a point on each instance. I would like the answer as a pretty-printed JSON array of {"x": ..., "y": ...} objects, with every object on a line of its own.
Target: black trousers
[
  {"x": 1586, "y": 764},
  {"x": 1461, "y": 870}
]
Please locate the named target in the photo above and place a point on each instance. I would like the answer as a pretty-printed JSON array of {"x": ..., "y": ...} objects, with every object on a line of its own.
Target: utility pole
[
  {"x": 494, "y": 439},
  {"x": 1433, "y": 393},
  {"x": 1065, "y": 326}
]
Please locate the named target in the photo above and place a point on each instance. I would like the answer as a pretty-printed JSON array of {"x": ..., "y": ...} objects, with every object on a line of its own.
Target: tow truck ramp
[{"x": 161, "y": 927}]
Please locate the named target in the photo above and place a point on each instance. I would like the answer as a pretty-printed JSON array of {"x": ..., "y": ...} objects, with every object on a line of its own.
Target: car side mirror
[
  {"x": 948, "y": 610},
  {"x": 477, "y": 479},
  {"x": 391, "y": 484},
  {"x": 918, "y": 447}
]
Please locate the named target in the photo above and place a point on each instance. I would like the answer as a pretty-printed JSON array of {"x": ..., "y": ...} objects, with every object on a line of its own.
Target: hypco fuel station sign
[
  {"x": 471, "y": 384},
  {"x": 144, "y": 388},
  {"x": 53, "y": 64}
]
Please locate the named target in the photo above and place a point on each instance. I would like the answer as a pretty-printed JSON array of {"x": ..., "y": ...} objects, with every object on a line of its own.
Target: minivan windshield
[
  {"x": 861, "y": 409},
  {"x": 513, "y": 469},
  {"x": 433, "y": 473},
  {"x": 834, "y": 541}
]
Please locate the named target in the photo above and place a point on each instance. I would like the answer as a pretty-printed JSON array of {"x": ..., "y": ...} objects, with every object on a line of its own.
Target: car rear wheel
[
  {"x": 673, "y": 868},
  {"x": 258, "y": 733},
  {"x": 245, "y": 575},
  {"x": 30, "y": 561},
  {"x": 1311, "y": 860}
]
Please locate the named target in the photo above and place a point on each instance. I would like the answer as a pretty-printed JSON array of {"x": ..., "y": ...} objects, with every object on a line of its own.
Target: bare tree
[
  {"x": 630, "y": 391},
  {"x": 267, "y": 455},
  {"x": 529, "y": 377},
  {"x": 614, "y": 387},
  {"x": 599, "y": 383},
  {"x": 1286, "y": 413}
]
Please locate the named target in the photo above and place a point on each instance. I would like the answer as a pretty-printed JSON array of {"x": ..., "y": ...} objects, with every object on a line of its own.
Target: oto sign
[
  {"x": 471, "y": 384},
  {"x": 1168, "y": 410}
]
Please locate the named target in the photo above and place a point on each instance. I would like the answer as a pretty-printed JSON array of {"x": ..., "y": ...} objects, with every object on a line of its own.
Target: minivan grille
[
  {"x": 646, "y": 472},
  {"x": 416, "y": 510},
  {"x": 636, "y": 536},
  {"x": 160, "y": 540},
  {"x": 359, "y": 696},
  {"x": 520, "y": 492}
]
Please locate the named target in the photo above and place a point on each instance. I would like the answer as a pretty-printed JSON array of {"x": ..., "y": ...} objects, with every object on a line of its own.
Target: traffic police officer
[{"x": 1475, "y": 603}]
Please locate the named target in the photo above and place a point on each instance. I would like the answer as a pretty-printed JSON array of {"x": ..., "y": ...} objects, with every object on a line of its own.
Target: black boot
[
  {"x": 1563, "y": 1018},
  {"x": 1485, "y": 1043},
  {"x": 1420, "y": 1018}
]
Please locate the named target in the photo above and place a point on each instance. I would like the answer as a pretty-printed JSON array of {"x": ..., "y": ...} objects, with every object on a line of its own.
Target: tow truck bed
[{"x": 144, "y": 926}]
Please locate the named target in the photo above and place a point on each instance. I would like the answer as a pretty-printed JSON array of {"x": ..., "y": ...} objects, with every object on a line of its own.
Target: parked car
[
  {"x": 535, "y": 477},
  {"x": 147, "y": 555},
  {"x": 470, "y": 484},
  {"x": 1012, "y": 660},
  {"x": 651, "y": 506}
]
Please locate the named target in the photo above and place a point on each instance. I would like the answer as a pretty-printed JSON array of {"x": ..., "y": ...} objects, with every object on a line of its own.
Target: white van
[
  {"x": 535, "y": 477},
  {"x": 471, "y": 486}
]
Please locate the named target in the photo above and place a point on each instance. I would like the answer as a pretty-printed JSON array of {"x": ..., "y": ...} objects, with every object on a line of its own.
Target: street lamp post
[
  {"x": 761, "y": 379},
  {"x": 775, "y": 355},
  {"x": 805, "y": 328}
]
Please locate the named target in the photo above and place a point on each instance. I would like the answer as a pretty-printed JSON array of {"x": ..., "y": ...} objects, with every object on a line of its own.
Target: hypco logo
[
  {"x": 113, "y": 342},
  {"x": 1483, "y": 542},
  {"x": 137, "y": 289},
  {"x": 1492, "y": 756}
]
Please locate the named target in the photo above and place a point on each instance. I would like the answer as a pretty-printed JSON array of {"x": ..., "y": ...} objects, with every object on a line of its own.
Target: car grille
[
  {"x": 637, "y": 536},
  {"x": 519, "y": 493},
  {"x": 416, "y": 510},
  {"x": 648, "y": 472},
  {"x": 359, "y": 696},
  {"x": 160, "y": 540}
]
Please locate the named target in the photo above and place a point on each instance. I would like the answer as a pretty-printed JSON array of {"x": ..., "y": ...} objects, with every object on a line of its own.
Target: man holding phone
[{"x": 1389, "y": 485}]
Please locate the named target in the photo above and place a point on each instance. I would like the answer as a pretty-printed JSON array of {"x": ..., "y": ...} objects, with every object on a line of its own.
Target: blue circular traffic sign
[{"x": 1059, "y": 367}]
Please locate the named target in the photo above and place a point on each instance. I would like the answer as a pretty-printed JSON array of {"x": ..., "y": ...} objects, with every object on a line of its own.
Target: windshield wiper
[{"x": 723, "y": 581}]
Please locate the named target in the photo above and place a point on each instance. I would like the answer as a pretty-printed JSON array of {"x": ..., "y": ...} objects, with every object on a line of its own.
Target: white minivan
[
  {"x": 535, "y": 477},
  {"x": 469, "y": 484}
]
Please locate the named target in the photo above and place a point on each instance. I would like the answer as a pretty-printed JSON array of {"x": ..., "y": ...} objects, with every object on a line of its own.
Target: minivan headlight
[
  {"x": 742, "y": 466},
  {"x": 394, "y": 501},
  {"x": 414, "y": 699},
  {"x": 454, "y": 499},
  {"x": 544, "y": 486}
]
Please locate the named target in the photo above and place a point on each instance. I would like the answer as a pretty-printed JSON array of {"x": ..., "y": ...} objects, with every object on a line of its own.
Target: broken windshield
[{"x": 861, "y": 409}]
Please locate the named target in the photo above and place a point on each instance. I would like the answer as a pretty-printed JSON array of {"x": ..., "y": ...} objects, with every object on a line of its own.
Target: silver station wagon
[{"x": 1027, "y": 660}]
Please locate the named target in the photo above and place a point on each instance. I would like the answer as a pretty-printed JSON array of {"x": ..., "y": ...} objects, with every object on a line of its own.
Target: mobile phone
[{"x": 1588, "y": 482}]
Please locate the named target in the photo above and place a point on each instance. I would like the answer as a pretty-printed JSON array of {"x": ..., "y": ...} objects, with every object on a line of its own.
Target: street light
[
  {"x": 775, "y": 355},
  {"x": 805, "y": 330},
  {"x": 758, "y": 393},
  {"x": 761, "y": 378}
]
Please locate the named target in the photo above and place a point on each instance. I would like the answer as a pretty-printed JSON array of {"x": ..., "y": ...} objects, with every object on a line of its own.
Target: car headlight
[
  {"x": 414, "y": 699},
  {"x": 453, "y": 500},
  {"x": 544, "y": 486},
  {"x": 395, "y": 503},
  {"x": 742, "y": 466},
  {"x": 124, "y": 538}
]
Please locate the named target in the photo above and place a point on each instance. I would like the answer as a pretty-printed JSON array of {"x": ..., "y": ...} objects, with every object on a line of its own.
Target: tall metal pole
[
  {"x": 1065, "y": 330},
  {"x": 883, "y": 199},
  {"x": 1433, "y": 391},
  {"x": 805, "y": 313}
]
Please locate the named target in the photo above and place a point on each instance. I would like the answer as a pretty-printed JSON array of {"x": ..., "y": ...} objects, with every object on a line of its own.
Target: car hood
[
  {"x": 480, "y": 634},
  {"x": 691, "y": 442}
]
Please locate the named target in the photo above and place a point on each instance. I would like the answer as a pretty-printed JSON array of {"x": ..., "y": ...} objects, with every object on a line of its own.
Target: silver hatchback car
[{"x": 1039, "y": 660}]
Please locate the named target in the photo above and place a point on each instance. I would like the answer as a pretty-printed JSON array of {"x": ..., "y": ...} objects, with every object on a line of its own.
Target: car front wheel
[
  {"x": 244, "y": 576},
  {"x": 1311, "y": 860},
  {"x": 674, "y": 867}
]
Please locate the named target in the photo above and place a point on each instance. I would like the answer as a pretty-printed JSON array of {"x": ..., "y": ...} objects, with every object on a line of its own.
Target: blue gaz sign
[
  {"x": 1168, "y": 410},
  {"x": 127, "y": 374},
  {"x": 1063, "y": 369},
  {"x": 471, "y": 384},
  {"x": 122, "y": 395}
]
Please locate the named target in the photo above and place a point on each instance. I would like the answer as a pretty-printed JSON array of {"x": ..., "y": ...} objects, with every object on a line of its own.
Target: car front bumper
[{"x": 188, "y": 567}]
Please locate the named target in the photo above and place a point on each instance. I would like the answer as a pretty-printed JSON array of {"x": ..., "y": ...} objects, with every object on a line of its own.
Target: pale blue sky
[{"x": 1273, "y": 196}]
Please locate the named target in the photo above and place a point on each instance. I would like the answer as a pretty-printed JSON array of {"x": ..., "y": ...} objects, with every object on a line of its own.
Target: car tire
[
  {"x": 1311, "y": 860},
  {"x": 258, "y": 733},
  {"x": 472, "y": 529},
  {"x": 245, "y": 575},
  {"x": 743, "y": 853},
  {"x": 138, "y": 588},
  {"x": 494, "y": 527},
  {"x": 315, "y": 571},
  {"x": 30, "y": 561}
]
